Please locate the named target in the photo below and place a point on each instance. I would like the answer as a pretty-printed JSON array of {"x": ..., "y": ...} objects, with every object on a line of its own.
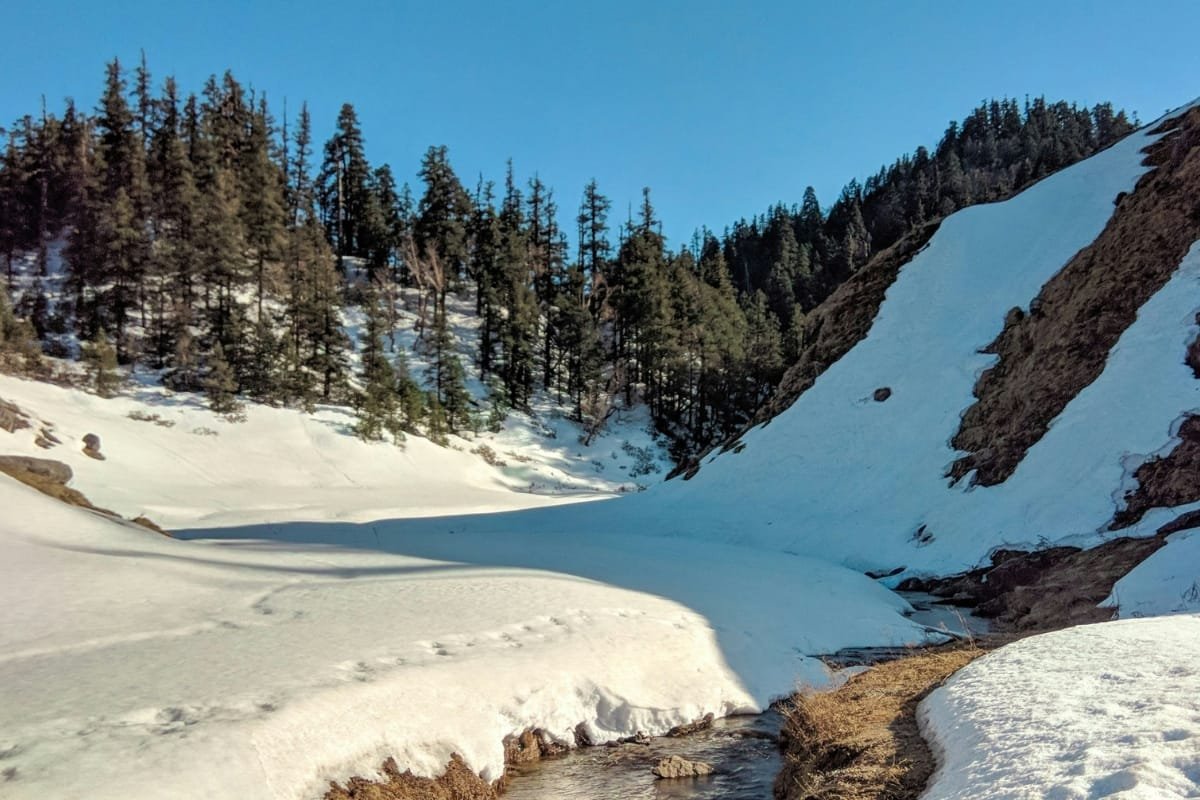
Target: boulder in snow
[
  {"x": 91, "y": 446},
  {"x": 55, "y": 471}
]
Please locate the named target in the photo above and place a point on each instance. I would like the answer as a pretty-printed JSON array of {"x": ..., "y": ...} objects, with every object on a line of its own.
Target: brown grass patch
[
  {"x": 458, "y": 782},
  {"x": 1050, "y": 354},
  {"x": 861, "y": 741}
]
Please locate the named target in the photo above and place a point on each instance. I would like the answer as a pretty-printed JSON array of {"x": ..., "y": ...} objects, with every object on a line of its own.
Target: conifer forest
[{"x": 209, "y": 241}]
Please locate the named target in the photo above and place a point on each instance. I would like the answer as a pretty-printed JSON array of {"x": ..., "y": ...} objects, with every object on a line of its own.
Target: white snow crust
[{"x": 1108, "y": 710}]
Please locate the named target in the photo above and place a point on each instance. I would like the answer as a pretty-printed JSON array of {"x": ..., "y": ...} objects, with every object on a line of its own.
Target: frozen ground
[{"x": 1109, "y": 710}]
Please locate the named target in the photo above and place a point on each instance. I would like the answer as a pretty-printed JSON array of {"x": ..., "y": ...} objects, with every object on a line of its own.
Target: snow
[
  {"x": 184, "y": 466},
  {"x": 862, "y": 483},
  {"x": 1094, "y": 711},
  {"x": 133, "y": 664},
  {"x": 1168, "y": 582}
]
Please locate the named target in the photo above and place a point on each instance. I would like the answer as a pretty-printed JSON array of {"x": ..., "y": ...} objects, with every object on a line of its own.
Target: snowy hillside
[
  {"x": 843, "y": 477},
  {"x": 170, "y": 458},
  {"x": 320, "y": 611}
]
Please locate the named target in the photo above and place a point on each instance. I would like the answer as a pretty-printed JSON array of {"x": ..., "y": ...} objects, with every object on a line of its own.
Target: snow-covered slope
[
  {"x": 170, "y": 458},
  {"x": 133, "y": 665},
  {"x": 1109, "y": 710},
  {"x": 864, "y": 480}
]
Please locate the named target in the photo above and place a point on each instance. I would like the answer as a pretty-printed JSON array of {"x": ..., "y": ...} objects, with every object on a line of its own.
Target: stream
[{"x": 743, "y": 750}]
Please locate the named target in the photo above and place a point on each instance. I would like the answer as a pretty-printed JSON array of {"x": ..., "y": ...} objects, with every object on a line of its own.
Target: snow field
[
  {"x": 181, "y": 465},
  {"x": 133, "y": 664}
]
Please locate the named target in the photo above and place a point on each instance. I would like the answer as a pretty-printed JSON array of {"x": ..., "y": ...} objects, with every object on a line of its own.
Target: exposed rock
[
  {"x": 882, "y": 393},
  {"x": 531, "y": 745},
  {"x": 1165, "y": 481},
  {"x": 54, "y": 471},
  {"x": 639, "y": 738},
  {"x": 1044, "y": 589},
  {"x": 678, "y": 767},
  {"x": 46, "y": 439},
  {"x": 91, "y": 446},
  {"x": 1181, "y": 523},
  {"x": 695, "y": 726},
  {"x": 48, "y": 477},
  {"x": 583, "y": 737},
  {"x": 12, "y": 418}
]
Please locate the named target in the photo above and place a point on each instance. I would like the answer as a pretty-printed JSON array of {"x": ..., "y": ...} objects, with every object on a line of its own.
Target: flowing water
[{"x": 743, "y": 751}]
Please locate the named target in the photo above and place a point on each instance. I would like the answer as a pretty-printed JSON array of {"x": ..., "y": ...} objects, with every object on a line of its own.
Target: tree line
[{"x": 212, "y": 241}]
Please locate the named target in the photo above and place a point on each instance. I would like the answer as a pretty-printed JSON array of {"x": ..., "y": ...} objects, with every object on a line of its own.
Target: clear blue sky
[{"x": 721, "y": 107}]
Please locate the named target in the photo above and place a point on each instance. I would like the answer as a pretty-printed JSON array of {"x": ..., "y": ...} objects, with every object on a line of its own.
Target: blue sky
[{"x": 722, "y": 108}]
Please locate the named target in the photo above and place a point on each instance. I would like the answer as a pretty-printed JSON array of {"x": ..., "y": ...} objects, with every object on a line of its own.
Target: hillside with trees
[{"x": 202, "y": 238}]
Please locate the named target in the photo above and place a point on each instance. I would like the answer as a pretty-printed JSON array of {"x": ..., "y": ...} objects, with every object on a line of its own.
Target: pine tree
[
  {"x": 440, "y": 228},
  {"x": 344, "y": 192},
  {"x": 446, "y": 375},
  {"x": 220, "y": 384},
  {"x": 378, "y": 407},
  {"x": 518, "y": 329},
  {"x": 101, "y": 358},
  {"x": 261, "y": 205}
]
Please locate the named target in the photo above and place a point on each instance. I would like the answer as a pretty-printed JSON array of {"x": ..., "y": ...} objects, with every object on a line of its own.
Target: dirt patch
[
  {"x": 1046, "y": 589},
  {"x": 832, "y": 329},
  {"x": 862, "y": 741},
  {"x": 1165, "y": 481},
  {"x": 1050, "y": 354}
]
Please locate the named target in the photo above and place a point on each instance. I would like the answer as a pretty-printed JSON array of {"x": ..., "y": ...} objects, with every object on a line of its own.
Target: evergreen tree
[
  {"x": 378, "y": 407},
  {"x": 440, "y": 228},
  {"x": 101, "y": 358},
  {"x": 344, "y": 193},
  {"x": 220, "y": 384}
]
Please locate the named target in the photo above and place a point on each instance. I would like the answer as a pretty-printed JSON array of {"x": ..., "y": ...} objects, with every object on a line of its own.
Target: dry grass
[
  {"x": 458, "y": 782},
  {"x": 861, "y": 741}
]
